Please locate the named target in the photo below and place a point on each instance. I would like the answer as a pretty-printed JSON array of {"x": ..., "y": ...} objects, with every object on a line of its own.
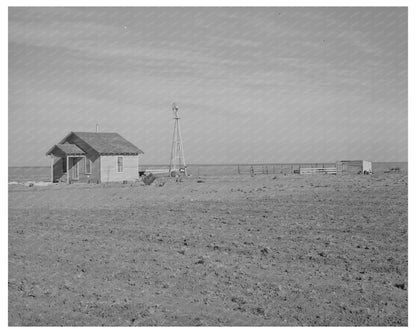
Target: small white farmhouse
[{"x": 94, "y": 157}]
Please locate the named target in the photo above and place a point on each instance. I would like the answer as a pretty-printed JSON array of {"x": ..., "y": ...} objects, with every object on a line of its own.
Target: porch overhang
[{"x": 65, "y": 150}]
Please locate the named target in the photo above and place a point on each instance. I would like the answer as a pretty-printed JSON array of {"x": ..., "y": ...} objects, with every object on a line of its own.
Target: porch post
[
  {"x": 52, "y": 160},
  {"x": 67, "y": 169}
]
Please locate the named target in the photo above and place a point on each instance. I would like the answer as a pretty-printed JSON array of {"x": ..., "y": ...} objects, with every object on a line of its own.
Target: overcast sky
[{"x": 253, "y": 85}]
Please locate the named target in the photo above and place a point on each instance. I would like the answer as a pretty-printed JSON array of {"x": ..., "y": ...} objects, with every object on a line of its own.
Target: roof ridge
[
  {"x": 97, "y": 132},
  {"x": 108, "y": 142}
]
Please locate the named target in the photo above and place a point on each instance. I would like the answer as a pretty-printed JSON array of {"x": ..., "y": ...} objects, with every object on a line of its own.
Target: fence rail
[
  {"x": 156, "y": 171},
  {"x": 313, "y": 171},
  {"x": 243, "y": 169},
  {"x": 282, "y": 168}
]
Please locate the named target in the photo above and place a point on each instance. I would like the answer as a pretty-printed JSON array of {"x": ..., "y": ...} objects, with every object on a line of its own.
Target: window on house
[
  {"x": 120, "y": 166},
  {"x": 87, "y": 166},
  {"x": 64, "y": 164}
]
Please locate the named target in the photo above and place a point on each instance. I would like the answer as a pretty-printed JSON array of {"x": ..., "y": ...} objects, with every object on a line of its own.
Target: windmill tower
[{"x": 177, "y": 155}]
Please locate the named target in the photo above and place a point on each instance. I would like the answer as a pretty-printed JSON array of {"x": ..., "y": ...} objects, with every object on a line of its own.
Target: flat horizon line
[{"x": 216, "y": 164}]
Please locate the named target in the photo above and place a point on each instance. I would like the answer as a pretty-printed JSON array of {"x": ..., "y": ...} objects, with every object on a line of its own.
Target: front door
[{"x": 74, "y": 168}]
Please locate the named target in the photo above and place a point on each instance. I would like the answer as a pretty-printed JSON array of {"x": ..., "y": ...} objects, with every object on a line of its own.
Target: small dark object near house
[
  {"x": 200, "y": 261},
  {"x": 149, "y": 179},
  {"x": 400, "y": 286},
  {"x": 392, "y": 170}
]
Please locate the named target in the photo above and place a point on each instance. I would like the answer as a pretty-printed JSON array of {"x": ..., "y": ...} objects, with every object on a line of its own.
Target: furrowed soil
[{"x": 238, "y": 250}]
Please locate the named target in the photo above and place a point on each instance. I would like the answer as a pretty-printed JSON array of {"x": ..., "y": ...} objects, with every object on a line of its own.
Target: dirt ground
[{"x": 236, "y": 250}]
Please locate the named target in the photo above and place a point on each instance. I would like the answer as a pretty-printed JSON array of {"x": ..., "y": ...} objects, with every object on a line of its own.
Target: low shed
[{"x": 354, "y": 166}]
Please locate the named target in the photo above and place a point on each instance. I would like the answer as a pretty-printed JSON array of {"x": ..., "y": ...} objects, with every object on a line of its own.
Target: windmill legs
[{"x": 177, "y": 156}]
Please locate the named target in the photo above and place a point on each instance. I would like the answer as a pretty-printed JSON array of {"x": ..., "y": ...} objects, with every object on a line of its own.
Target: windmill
[{"x": 177, "y": 155}]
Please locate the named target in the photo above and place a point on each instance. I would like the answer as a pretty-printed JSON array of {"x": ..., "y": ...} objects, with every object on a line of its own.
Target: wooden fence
[
  {"x": 242, "y": 169},
  {"x": 314, "y": 171},
  {"x": 323, "y": 168},
  {"x": 259, "y": 170},
  {"x": 156, "y": 171}
]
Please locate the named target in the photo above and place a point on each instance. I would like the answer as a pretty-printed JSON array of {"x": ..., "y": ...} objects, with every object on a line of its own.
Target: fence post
[{"x": 238, "y": 169}]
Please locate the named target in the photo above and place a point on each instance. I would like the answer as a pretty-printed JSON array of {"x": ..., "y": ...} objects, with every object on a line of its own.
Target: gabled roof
[
  {"x": 65, "y": 149},
  {"x": 106, "y": 143}
]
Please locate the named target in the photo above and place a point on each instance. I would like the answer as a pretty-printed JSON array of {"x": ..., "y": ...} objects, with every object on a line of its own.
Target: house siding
[
  {"x": 109, "y": 168},
  {"x": 58, "y": 173},
  {"x": 60, "y": 176},
  {"x": 94, "y": 177}
]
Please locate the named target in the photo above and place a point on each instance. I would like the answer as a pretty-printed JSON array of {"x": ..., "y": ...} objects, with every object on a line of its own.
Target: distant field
[{"x": 23, "y": 174}]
